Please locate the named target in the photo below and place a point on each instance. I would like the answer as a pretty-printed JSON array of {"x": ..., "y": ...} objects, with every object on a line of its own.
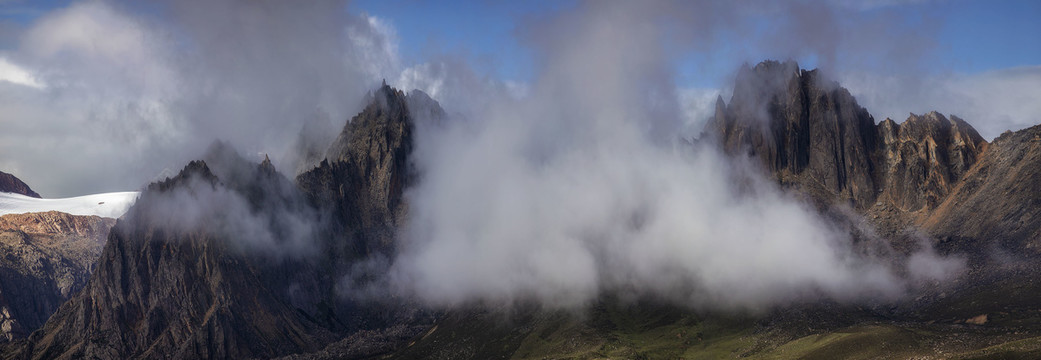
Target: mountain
[
  {"x": 998, "y": 200},
  {"x": 366, "y": 170},
  {"x": 229, "y": 259},
  {"x": 923, "y": 158},
  {"x": 48, "y": 258},
  {"x": 171, "y": 283},
  {"x": 811, "y": 134},
  {"x": 930, "y": 177},
  {"x": 10, "y": 184}
]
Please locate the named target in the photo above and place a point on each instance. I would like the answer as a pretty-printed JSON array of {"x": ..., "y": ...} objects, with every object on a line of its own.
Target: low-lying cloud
[
  {"x": 246, "y": 206},
  {"x": 585, "y": 186},
  {"x": 556, "y": 190}
]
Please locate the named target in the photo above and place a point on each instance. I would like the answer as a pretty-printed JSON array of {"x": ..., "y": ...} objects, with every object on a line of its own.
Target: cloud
[
  {"x": 584, "y": 186},
  {"x": 698, "y": 106},
  {"x": 256, "y": 210},
  {"x": 130, "y": 90},
  {"x": 554, "y": 189},
  {"x": 17, "y": 75}
]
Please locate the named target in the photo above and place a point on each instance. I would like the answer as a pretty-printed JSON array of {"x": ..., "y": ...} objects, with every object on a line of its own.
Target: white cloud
[
  {"x": 109, "y": 96},
  {"x": 18, "y": 75},
  {"x": 583, "y": 187},
  {"x": 699, "y": 105}
]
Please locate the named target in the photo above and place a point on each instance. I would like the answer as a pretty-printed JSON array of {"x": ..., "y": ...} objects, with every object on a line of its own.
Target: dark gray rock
[
  {"x": 806, "y": 131},
  {"x": 180, "y": 291},
  {"x": 367, "y": 169},
  {"x": 811, "y": 134}
]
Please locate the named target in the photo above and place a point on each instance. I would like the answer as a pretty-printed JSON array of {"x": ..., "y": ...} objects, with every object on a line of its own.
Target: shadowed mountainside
[
  {"x": 48, "y": 257},
  {"x": 9, "y": 183},
  {"x": 811, "y": 134},
  {"x": 193, "y": 291},
  {"x": 161, "y": 291},
  {"x": 183, "y": 274}
]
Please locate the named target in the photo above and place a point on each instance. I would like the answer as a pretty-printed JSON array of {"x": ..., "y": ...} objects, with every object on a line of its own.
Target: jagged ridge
[
  {"x": 10, "y": 183},
  {"x": 811, "y": 134}
]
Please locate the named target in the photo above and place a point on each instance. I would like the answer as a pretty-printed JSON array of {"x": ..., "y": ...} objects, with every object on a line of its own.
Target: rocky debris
[
  {"x": 977, "y": 320},
  {"x": 9, "y": 183},
  {"x": 48, "y": 257},
  {"x": 366, "y": 344}
]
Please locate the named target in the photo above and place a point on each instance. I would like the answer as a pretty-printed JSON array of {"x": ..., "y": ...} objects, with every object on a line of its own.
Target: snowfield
[{"x": 111, "y": 205}]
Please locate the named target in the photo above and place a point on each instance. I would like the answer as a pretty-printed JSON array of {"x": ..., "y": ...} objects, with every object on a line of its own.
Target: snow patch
[{"x": 112, "y": 205}]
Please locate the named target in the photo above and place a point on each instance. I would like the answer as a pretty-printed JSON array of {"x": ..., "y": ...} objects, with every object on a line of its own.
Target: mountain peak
[
  {"x": 370, "y": 159},
  {"x": 800, "y": 127},
  {"x": 194, "y": 169},
  {"x": 810, "y": 132},
  {"x": 10, "y": 183}
]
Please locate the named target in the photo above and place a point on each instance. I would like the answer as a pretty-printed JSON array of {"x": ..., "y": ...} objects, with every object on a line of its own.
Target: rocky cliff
[
  {"x": 229, "y": 259},
  {"x": 367, "y": 169},
  {"x": 48, "y": 257},
  {"x": 806, "y": 130},
  {"x": 9, "y": 183},
  {"x": 924, "y": 157},
  {"x": 175, "y": 280},
  {"x": 811, "y": 134}
]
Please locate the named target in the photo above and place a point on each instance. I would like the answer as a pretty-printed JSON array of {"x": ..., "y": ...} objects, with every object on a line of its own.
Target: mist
[
  {"x": 112, "y": 94},
  {"x": 246, "y": 206},
  {"x": 556, "y": 189},
  {"x": 585, "y": 186}
]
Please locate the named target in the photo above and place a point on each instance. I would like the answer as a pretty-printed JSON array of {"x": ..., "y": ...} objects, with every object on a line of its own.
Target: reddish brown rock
[
  {"x": 924, "y": 157},
  {"x": 997, "y": 201},
  {"x": 10, "y": 183},
  {"x": 48, "y": 257}
]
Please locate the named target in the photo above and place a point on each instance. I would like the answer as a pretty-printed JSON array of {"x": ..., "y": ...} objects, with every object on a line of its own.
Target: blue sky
[
  {"x": 486, "y": 30},
  {"x": 972, "y": 36},
  {"x": 986, "y": 35}
]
